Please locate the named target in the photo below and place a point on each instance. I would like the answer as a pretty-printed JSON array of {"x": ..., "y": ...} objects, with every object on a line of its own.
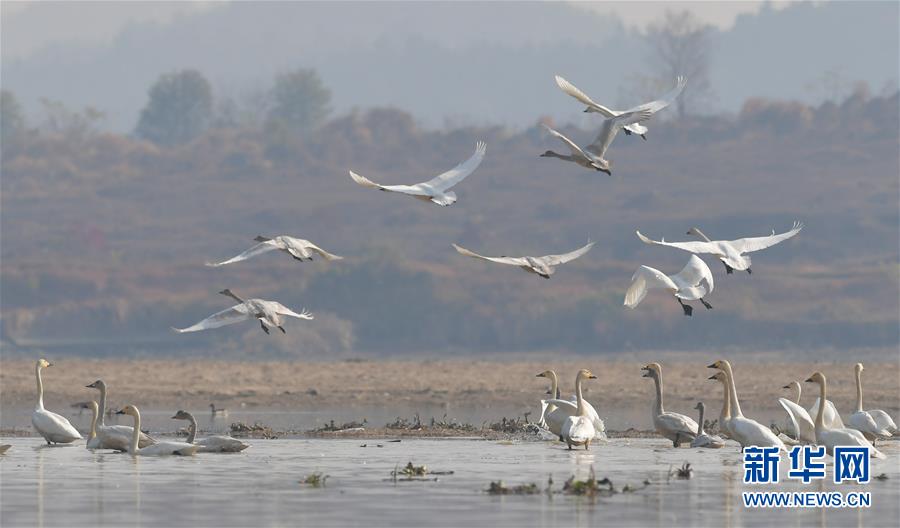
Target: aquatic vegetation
[
  {"x": 497, "y": 488},
  {"x": 331, "y": 427},
  {"x": 590, "y": 487},
  {"x": 684, "y": 472},
  {"x": 257, "y": 430},
  {"x": 315, "y": 480}
]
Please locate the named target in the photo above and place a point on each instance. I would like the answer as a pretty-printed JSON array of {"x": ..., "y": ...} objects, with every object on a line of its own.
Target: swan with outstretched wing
[
  {"x": 544, "y": 266},
  {"x": 593, "y": 156},
  {"x": 296, "y": 247},
  {"x": 269, "y": 313},
  {"x": 686, "y": 285}
]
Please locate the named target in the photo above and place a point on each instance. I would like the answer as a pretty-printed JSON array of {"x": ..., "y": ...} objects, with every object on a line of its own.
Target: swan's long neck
[
  {"x": 702, "y": 235},
  {"x": 233, "y": 296},
  {"x": 554, "y": 385},
  {"x": 859, "y": 406},
  {"x": 93, "y": 432},
  {"x": 551, "y": 154},
  {"x": 820, "y": 416},
  {"x": 102, "y": 419},
  {"x": 700, "y": 421},
  {"x": 580, "y": 410},
  {"x": 657, "y": 378},
  {"x": 796, "y": 386},
  {"x": 136, "y": 434},
  {"x": 40, "y": 386},
  {"x": 735, "y": 404},
  {"x": 726, "y": 404},
  {"x": 193, "y": 429}
]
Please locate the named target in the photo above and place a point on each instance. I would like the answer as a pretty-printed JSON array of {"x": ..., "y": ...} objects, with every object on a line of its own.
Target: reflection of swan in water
[
  {"x": 867, "y": 422},
  {"x": 54, "y": 428},
  {"x": 703, "y": 439},
  {"x": 578, "y": 429},
  {"x": 829, "y": 437},
  {"x": 746, "y": 431},
  {"x": 676, "y": 427},
  {"x": 157, "y": 449},
  {"x": 556, "y": 410},
  {"x": 210, "y": 444},
  {"x": 111, "y": 436}
]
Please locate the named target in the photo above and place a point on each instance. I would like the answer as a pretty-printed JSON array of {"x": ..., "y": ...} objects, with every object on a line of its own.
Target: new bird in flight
[
  {"x": 269, "y": 313},
  {"x": 543, "y": 266},
  {"x": 686, "y": 285},
  {"x": 437, "y": 189},
  {"x": 296, "y": 247},
  {"x": 635, "y": 128},
  {"x": 730, "y": 252},
  {"x": 592, "y": 156}
]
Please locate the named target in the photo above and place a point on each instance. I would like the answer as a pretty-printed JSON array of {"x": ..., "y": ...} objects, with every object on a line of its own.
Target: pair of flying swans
[
  {"x": 296, "y": 247},
  {"x": 437, "y": 189},
  {"x": 543, "y": 266},
  {"x": 635, "y": 128},
  {"x": 269, "y": 313},
  {"x": 730, "y": 252},
  {"x": 686, "y": 285}
]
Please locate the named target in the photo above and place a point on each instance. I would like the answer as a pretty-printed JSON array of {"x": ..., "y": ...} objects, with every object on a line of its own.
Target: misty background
[{"x": 130, "y": 160}]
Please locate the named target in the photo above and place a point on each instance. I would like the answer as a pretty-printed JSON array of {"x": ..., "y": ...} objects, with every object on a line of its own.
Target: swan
[
  {"x": 157, "y": 449},
  {"x": 802, "y": 429},
  {"x": 832, "y": 417},
  {"x": 636, "y": 128},
  {"x": 578, "y": 429},
  {"x": 437, "y": 189},
  {"x": 543, "y": 266},
  {"x": 592, "y": 156},
  {"x": 746, "y": 431},
  {"x": 54, "y": 428},
  {"x": 703, "y": 439},
  {"x": 725, "y": 414},
  {"x": 556, "y": 410},
  {"x": 217, "y": 412},
  {"x": 844, "y": 436},
  {"x": 864, "y": 421},
  {"x": 676, "y": 427},
  {"x": 685, "y": 285},
  {"x": 296, "y": 247},
  {"x": 210, "y": 444},
  {"x": 730, "y": 252},
  {"x": 112, "y": 436},
  {"x": 269, "y": 314}
]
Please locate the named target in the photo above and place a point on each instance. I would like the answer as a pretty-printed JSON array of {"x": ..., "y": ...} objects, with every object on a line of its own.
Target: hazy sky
[{"x": 29, "y": 25}]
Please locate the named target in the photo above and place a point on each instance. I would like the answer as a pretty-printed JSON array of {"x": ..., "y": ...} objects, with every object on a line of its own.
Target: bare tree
[{"x": 681, "y": 45}]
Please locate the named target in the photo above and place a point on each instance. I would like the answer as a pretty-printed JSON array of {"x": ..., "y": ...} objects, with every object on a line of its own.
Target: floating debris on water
[
  {"x": 257, "y": 430},
  {"x": 684, "y": 472},
  {"x": 315, "y": 480},
  {"x": 497, "y": 488}
]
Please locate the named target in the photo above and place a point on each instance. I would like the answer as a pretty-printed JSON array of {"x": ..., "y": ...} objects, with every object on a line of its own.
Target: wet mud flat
[{"x": 369, "y": 482}]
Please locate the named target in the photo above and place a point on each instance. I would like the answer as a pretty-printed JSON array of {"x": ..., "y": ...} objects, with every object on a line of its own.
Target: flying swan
[
  {"x": 592, "y": 156},
  {"x": 437, "y": 189},
  {"x": 676, "y": 427},
  {"x": 269, "y": 314},
  {"x": 543, "y": 266},
  {"x": 296, "y": 247},
  {"x": 730, "y": 252},
  {"x": 636, "y": 128},
  {"x": 686, "y": 285},
  {"x": 54, "y": 428}
]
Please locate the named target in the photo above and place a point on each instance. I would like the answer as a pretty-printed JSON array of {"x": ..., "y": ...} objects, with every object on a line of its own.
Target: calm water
[{"x": 70, "y": 486}]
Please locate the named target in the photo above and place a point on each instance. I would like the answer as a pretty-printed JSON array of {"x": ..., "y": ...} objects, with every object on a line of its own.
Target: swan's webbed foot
[
  {"x": 282, "y": 329},
  {"x": 263, "y": 326},
  {"x": 644, "y": 136},
  {"x": 627, "y": 132},
  {"x": 688, "y": 310},
  {"x": 749, "y": 271},
  {"x": 297, "y": 258},
  {"x": 708, "y": 306}
]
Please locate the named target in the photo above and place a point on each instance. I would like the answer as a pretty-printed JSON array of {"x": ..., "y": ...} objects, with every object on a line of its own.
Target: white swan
[
  {"x": 296, "y": 247},
  {"x": 157, "y": 449},
  {"x": 746, "y": 431},
  {"x": 578, "y": 429},
  {"x": 269, "y": 314},
  {"x": 676, "y": 427},
  {"x": 832, "y": 416},
  {"x": 703, "y": 439},
  {"x": 214, "y": 411},
  {"x": 864, "y": 421},
  {"x": 636, "y": 128},
  {"x": 725, "y": 413},
  {"x": 543, "y": 266},
  {"x": 593, "y": 156},
  {"x": 802, "y": 428},
  {"x": 210, "y": 444},
  {"x": 555, "y": 410},
  {"x": 54, "y": 428},
  {"x": 685, "y": 285},
  {"x": 112, "y": 436},
  {"x": 730, "y": 252},
  {"x": 437, "y": 189},
  {"x": 845, "y": 436}
]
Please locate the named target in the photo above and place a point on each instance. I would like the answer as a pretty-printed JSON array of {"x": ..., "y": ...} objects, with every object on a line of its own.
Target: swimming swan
[
  {"x": 112, "y": 436},
  {"x": 730, "y": 252},
  {"x": 269, "y": 314},
  {"x": 685, "y": 285},
  {"x": 437, "y": 189},
  {"x": 543, "y": 266},
  {"x": 556, "y": 410},
  {"x": 836, "y": 437},
  {"x": 636, "y": 128},
  {"x": 578, "y": 429},
  {"x": 725, "y": 414},
  {"x": 746, "y": 431},
  {"x": 592, "y": 156},
  {"x": 296, "y": 247},
  {"x": 865, "y": 421},
  {"x": 703, "y": 439},
  {"x": 157, "y": 449},
  {"x": 210, "y": 444},
  {"x": 802, "y": 429},
  {"x": 676, "y": 427},
  {"x": 54, "y": 428}
]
